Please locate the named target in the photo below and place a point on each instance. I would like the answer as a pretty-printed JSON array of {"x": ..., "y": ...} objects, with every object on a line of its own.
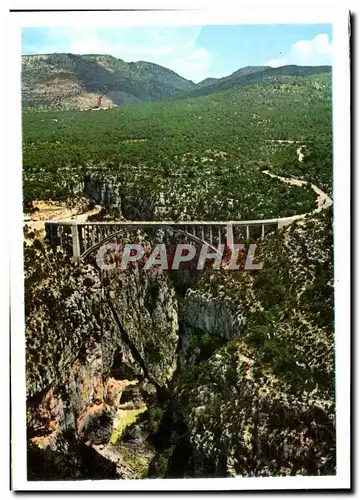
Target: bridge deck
[{"x": 169, "y": 223}]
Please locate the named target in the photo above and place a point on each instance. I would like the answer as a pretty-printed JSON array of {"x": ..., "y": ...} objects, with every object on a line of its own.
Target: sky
[{"x": 194, "y": 52}]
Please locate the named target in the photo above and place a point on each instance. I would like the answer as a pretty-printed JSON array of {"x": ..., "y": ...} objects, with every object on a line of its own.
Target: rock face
[
  {"x": 244, "y": 420},
  {"x": 102, "y": 191},
  {"x": 148, "y": 324},
  {"x": 86, "y": 340},
  {"x": 209, "y": 321},
  {"x": 264, "y": 404},
  {"x": 213, "y": 315},
  {"x": 121, "y": 196}
]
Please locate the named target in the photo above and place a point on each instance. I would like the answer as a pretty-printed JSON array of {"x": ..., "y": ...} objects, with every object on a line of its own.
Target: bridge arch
[{"x": 100, "y": 243}]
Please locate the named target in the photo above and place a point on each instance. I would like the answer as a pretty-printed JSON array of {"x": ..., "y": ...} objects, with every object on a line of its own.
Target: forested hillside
[
  {"x": 200, "y": 156},
  {"x": 71, "y": 81},
  {"x": 250, "y": 74}
]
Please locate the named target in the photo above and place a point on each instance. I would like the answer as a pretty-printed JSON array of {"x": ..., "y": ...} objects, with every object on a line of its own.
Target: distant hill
[
  {"x": 69, "y": 81},
  {"x": 81, "y": 82},
  {"x": 251, "y": 74},
  {"x": 247, "y": 70}
]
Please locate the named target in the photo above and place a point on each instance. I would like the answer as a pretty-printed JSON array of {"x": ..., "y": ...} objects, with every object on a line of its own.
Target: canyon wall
[
  {"x": 120, "y": 197},
  {"x": 89, "y": 339}
]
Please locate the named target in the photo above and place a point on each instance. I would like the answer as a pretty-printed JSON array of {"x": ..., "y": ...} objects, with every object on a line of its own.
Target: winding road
[{"x": 323, "y": 200}]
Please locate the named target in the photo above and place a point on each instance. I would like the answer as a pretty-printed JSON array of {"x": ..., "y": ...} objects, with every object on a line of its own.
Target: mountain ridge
[
  {"x": 71, "y": 81},
  {"x": 96, "y": 81},
  {"x": 249, "y": 74}
]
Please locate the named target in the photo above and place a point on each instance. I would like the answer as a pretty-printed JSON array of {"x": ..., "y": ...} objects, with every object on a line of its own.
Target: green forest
[{"x": 203, "y": 154}]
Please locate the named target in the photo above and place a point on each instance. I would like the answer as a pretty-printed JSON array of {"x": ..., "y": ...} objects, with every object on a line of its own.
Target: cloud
[
  {"x": 315, "y": 52},
  {"x": 95, "y": 44},
  {"x": 172, "y": 47},
  {"x": 275, "y": 63},
  {"x": 192, "y": 63}
]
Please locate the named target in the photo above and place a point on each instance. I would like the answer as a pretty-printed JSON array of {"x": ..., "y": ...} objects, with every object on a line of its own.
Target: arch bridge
[{"x": 80, "y": 239}]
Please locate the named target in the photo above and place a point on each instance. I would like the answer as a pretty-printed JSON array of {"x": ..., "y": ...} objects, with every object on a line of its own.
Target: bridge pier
[
  {"x": 229, "y": 236},
  {"x": 75, "y": 241}
]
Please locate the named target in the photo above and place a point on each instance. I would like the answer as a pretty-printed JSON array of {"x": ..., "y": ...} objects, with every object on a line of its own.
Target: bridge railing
[{"x": 145, "y": 223}]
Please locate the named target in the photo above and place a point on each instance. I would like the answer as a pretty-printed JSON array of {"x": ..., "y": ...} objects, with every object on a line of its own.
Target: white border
[
  {"x": 341, "y": 113},
  {"x": 341, "y": 197},
  {"x": 174, "y": 18}
]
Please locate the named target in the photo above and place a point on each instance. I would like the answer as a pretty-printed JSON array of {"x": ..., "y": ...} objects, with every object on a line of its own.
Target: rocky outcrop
[
  {"x": 87, "y": 339},
  {"x": 243, "y": 420},
  {"x": 209, "y": 321},
  {"x": 215, "y": 315},
  {"x": 263, "y": 405},
  {"x": 120, "y": 195},
  {"x": 103, "y": 191}
]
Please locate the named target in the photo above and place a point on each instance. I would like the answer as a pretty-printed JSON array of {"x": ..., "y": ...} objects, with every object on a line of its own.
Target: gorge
[{"x": 169, "y": 374}]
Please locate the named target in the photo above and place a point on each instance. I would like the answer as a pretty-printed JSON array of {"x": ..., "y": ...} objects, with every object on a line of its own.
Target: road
[{"x": 323, "y": 200}]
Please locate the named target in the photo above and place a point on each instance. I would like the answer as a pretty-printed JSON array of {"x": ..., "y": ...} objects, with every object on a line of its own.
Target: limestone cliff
[
  {"x": 262, "y": 404},
  {"x": 120, "y": 196},
  {"x": 242, "y": 419},
  {"x": 87, "y": 339}
]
